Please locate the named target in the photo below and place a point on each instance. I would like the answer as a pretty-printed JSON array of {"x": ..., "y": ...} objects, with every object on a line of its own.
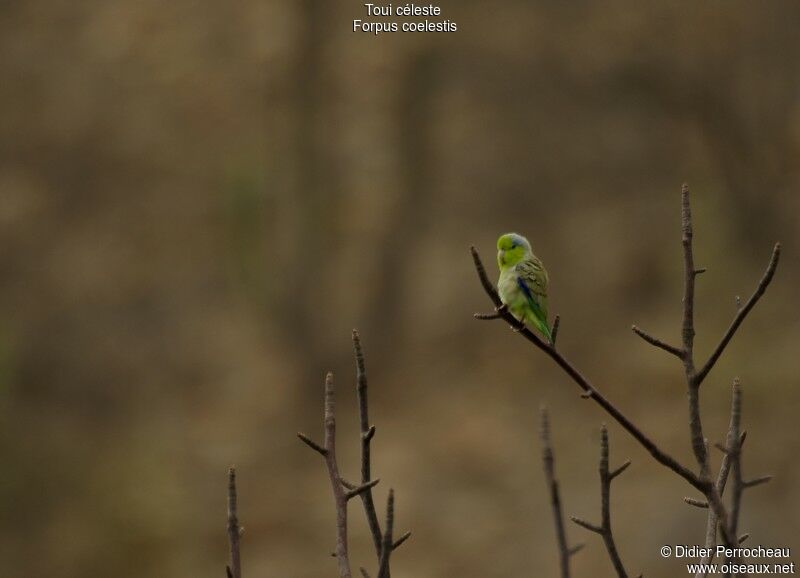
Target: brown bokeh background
[{"x": 199, "y": 200}]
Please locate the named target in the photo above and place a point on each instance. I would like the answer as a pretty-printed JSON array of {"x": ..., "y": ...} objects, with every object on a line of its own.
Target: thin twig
[
  {"x": 340, "y": 496},
  {"x": 688, "y": 333},
  {"x": 554, "y": 330},
  {"x": 548, "y": 460},
  {"x": 387, "y": 546},
  {"x": 367, "y": 433},
  {"x": 766, "y": 279},
  {"x": 234, "y": 568},
  {"x": 655, "y": 341},
  {"x": 589, "y": 390},
  {"x": 604, "y": 529},
  {"x": 734, "y": 437}
]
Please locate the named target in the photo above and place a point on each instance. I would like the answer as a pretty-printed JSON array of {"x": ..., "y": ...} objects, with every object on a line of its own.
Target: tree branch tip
[
  {"x": 722, "y": 448},
  {"x": 554, "y": 330},
  {"x": 620, "y": 469},
  {"x": 400, "y": 540},
  {"x": 487, "y": 316},
  {"x": 587, "y": 394},
  {"x": 695, "y": 502},
  {"x": 700, "y": 271},
  {"x": 358, "y": 490},
  {"x": 743, "y": 537},
  {"x": 312, "y": 444},
  {"x": 756, "y": 481},
  {"x": 656, "y": 342},
  {"x": 587, "y": 525},
  {"x": 575, "y": 549},
  {"x": 369, "y": 434}
]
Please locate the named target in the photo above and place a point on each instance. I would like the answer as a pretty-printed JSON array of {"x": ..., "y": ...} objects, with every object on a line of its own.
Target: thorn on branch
[
  {"x": 369, "y": 434},
  {"x": 743, "y": 537}
]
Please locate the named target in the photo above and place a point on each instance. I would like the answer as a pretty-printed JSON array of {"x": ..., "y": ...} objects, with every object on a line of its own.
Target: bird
[{"x": 523, "y": 282}]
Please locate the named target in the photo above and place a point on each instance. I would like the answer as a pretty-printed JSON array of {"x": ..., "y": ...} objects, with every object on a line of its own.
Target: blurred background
[{"x": 200, "y": 200}]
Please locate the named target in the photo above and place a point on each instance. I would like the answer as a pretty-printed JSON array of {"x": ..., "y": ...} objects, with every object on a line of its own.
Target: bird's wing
[{"x": 534, "y": 275}]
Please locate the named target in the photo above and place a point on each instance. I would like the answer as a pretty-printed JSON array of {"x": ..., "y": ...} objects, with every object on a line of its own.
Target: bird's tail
[{"x": 544, "y": 329}]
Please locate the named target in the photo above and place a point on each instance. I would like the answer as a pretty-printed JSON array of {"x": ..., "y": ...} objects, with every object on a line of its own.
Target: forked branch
[
  {"x": 589, "y": 390},
  {"x": 344, "y": 491},
  {"x": 548, "y": 461},
  {"x": 604, "y": 528}
]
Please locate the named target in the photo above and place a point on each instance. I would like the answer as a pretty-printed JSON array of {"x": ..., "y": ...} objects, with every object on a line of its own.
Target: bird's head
[{"x": 511, "y": 249}]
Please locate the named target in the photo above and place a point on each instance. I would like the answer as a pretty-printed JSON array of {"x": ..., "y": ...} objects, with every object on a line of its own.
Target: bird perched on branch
[{"x": 523, "y": 282}]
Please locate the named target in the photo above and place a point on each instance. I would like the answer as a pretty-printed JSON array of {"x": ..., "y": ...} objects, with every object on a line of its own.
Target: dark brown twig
[
  {"x": 343, "y": 490},
  {"x": 763, "y": 283},
  {"x": 589, "y": 390},
  {"x": 604, "y": 529},
  {"x": 367, "y": 433},
  {"x": 656, "y": 342},
  {"x": 554, "y": 330},
  {"x": 387, "y": 546},
  {"x": 548, "y": 460},
  {"x": 340, "y": 496},
  {"x": 234, "y": 568}
]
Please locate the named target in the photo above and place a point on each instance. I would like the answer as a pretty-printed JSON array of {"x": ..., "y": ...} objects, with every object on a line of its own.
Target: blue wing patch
[{"x": 529, "y": 294}]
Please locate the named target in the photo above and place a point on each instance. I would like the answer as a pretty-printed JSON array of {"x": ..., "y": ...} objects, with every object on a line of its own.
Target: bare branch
[
  {"x": 399, "y": 542},
  {"x": 588, "y": 525},
  {"x": 654, "y": 341},
  {"x": 756, "y": 481},
  {"x": 769, "y": 273},
  {"x": 695, "y": 502},
  {"x": 387, "y": 544},
  {"x": 234, "y": 568},
  {"x": 312, "y": 444},
  {"x": 620, "y": 469},
  {"x": 338, "y": 485},
  {"x": 591, "y": 392},
  {"x": 554, "y": 330},
  {"x": 548, "y": 460},
  {"x": 367, "y": 433},
  {"x": 359, "y": 490},
  {"x": 604, "y": 529},
  {"x": 487, "y": 316}
]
